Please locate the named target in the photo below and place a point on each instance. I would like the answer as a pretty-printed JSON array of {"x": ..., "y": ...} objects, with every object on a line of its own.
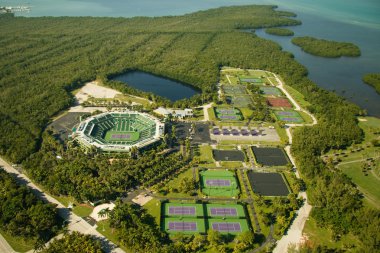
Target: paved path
[
  {"x": 205, "y": 111},
  {"x": 294, "y": 232},
  {"x": 4, "y": 246},
  {"x": 75, "y": 223}
]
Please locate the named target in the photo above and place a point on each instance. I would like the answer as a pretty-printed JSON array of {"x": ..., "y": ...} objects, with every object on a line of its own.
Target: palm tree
[{"x": 104, "y": 213}]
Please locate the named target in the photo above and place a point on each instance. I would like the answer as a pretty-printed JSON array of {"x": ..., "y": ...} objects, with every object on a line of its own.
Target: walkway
[
  {"x": 75, "y": 223},
  {"x": 294, "y": 232},
  {"x": 205, "y": 111}
]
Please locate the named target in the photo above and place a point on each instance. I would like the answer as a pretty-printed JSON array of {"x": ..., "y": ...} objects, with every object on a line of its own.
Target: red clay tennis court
[{"x": 279, "y": 102}]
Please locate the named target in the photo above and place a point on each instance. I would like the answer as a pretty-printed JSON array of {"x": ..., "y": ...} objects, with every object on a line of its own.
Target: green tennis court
[
  {"x": 270, "y": 90},
  {"x": 219, "y": 183},
  {"x": 225, "y": 211},
  {"x": 288, "y": 116},
  {"x": 182, "y": 210},
  {"x": 184, "y": 225},
  {"x": 228, "y": 226},
  {"x": 228, "y": 113},
  {"x": 250, "y": 79},
  {"x": 121, "y": 136}
]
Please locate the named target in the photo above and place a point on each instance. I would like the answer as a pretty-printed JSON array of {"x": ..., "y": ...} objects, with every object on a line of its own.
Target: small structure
[{"x": 177, "y": 113}]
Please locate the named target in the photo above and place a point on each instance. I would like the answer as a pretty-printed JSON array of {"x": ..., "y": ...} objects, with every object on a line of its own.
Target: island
[
  {"x": 373, "y": 79},
  {"x": 279, "y": 31},
  {"x": 326, "y": 48}
]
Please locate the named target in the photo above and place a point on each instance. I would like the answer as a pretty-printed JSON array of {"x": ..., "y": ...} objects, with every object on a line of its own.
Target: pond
[{"x": 164, "y": 87}]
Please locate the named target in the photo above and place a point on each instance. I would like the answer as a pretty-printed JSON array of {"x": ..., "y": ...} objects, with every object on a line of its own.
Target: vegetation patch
[
  {"x": 326, "y": 48},
  {"x": 279, "y": 31},
  {"x": 373, "y": 79}
]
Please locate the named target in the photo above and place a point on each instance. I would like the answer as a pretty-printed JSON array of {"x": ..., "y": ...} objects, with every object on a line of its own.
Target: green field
[
  {"x": 231, "y": 190},
  {"x": 115, "y": 136},
  {"x": 368, "y": 183}
]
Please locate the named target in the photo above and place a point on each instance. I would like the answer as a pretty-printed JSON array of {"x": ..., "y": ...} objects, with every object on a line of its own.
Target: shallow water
[{"x": 164, "y": 87}]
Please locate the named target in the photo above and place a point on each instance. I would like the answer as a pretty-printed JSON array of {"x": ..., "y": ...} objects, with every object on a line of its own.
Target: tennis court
[
  {"x": 228, "y": 155},
  {"x": 241, "y": 100},
  {"x": 268, "y": 184},
  {"x": 288, "y": 116},
  {"x": 184, "y": 225},
  {"x": 121, "y": 136},
  {"x": 228, "y": 113},
  {"x": 250, "y": 79},
  {"x": 227, "y": 211},
  {"x": 234, "y": 89},
  {"x": 219, "y": 183},
  {"x": 269, "y": 156},
  {"x": 182, "y": 210},
  {"x": 225, "y": 218},
  {"x": 270, "y": 91},
  {"x": 279, "y": 102},
  {"x": 228, "y": 226}
]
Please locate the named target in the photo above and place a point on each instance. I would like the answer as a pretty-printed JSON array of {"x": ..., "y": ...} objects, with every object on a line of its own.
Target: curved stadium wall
[{"x": 119, "y": 131}]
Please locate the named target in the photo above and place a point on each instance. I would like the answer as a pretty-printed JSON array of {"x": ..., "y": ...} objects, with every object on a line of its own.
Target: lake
[
  {"x": 168, "y": 88},
  {"x": 341, "y": 20}
]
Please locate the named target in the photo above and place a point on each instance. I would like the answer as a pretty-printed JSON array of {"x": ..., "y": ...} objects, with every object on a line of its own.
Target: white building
[{"x": 181, "y": 114}]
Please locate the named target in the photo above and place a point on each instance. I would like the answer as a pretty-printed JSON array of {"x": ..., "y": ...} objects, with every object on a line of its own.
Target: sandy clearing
[
  {"x": 93, "y": 89},
  {"x": 98, "y": 208},
  {"x": 142, "y": 199}
]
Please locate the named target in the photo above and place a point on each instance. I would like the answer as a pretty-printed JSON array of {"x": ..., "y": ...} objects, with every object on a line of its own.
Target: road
[
  {"x": 75, "y": 223},
  {"x": 294, "y": 232}
]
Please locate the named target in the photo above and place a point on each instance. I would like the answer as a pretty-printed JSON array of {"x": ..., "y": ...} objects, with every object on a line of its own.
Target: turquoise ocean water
[{"x": 342, "y": 20}]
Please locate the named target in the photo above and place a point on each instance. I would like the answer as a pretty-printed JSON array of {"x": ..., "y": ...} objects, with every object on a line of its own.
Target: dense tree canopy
[
  {"x": 326, "y": 48},
  {"x": 22, "y": 213},
  {"x": 74, "y": 243},
  {"x": 43, "y": 59}
]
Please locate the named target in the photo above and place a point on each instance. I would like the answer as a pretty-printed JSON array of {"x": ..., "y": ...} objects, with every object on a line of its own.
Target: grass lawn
[
  {"x": 322, "y": 236},
  {"x": 246, "y": 112},
  {"x": 231, "y": 164},
  {"x": 306, "y": 117},
  {"x": 211, "y": 114},
  {"x": 18, "y": 244},
  {"x": 153, "y": 207},
  {"x": 368, "y": 185},
  {"x": 104, "y": 229},
  {"x": 82, "y": 211},
  {"x": 297, "y": 96},
  {"x": 206, "y": 154},
  {"x": 129, "y": 98},
  {"x": 175, "y": 184},
  {"x": 282, "y": 133}
]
